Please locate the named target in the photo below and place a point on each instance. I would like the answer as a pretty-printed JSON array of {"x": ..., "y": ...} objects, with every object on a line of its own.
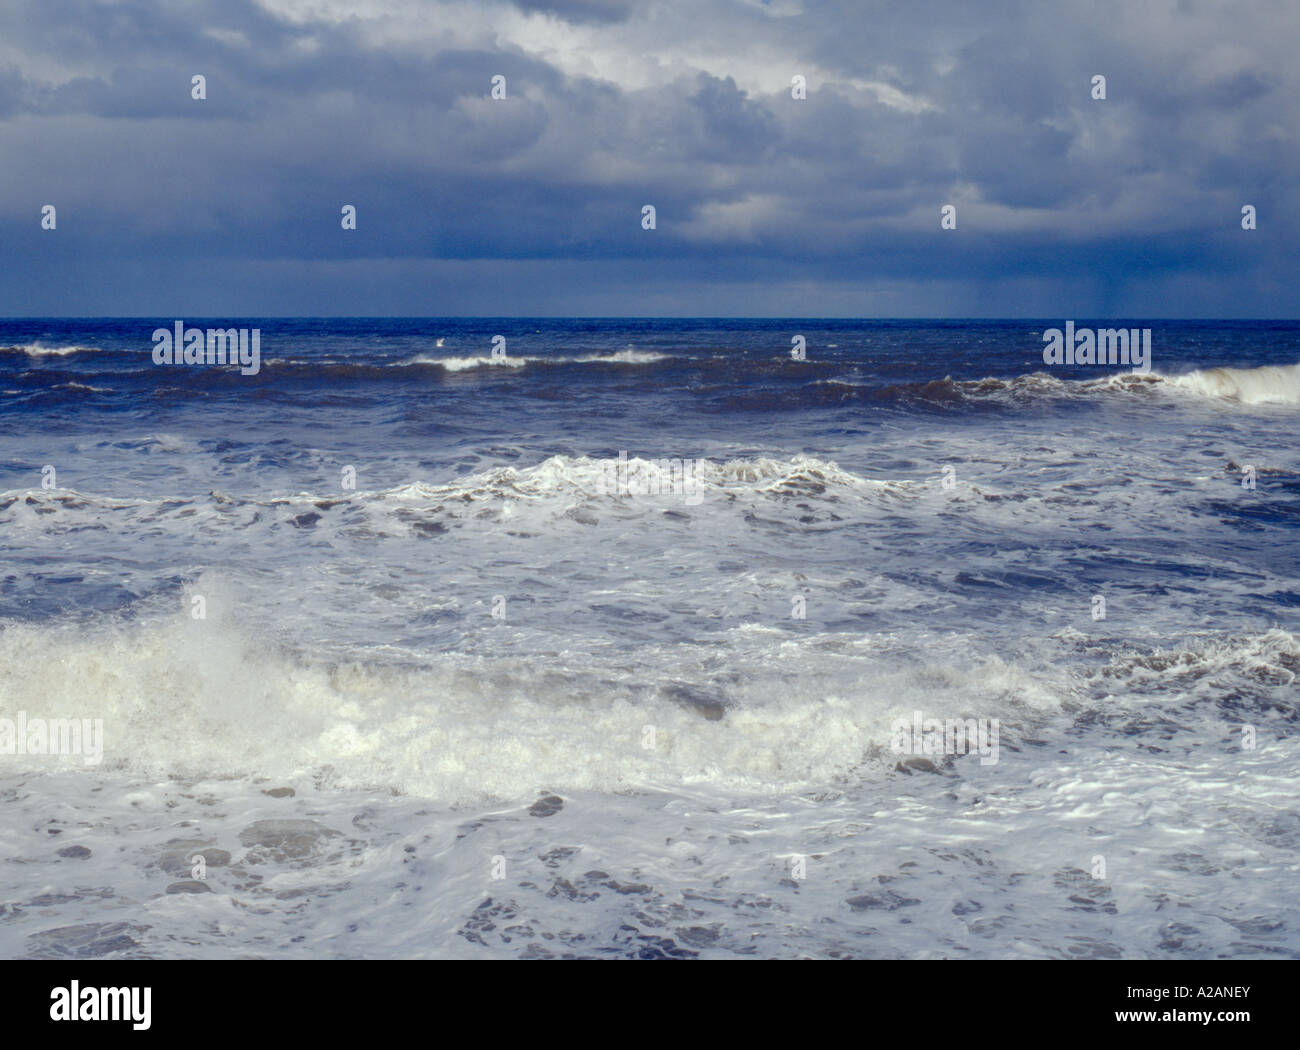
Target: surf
[{"x": 1268, "y": 384}]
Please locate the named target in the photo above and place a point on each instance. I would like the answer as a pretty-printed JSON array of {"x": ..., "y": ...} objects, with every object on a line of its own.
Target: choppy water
[{"x": 946, "y": 507}]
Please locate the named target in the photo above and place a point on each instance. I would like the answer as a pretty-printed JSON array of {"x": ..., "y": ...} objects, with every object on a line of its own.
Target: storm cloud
[{"x": 765, "y": 204}]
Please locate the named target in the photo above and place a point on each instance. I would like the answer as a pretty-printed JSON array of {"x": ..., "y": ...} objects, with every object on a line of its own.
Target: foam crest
[
  {"x": 1254, "y": 661},
  {"x": 1270, "y": 384},
  {"x": 556, "y": 476},
  {"x": 623, "y": 357},
  {"x": 464, "y": 364},
  {"x": 41, "y": 350}
]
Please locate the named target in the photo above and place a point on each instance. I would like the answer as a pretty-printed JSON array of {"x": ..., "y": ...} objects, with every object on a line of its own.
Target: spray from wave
[{"x": 214, "y": 697}]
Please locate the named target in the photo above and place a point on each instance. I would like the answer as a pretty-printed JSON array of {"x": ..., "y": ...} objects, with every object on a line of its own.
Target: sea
[{"x": 647, "y": 638}]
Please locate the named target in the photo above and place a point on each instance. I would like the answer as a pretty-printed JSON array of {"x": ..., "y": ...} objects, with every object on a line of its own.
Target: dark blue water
[{"x": 423, "y": 400}]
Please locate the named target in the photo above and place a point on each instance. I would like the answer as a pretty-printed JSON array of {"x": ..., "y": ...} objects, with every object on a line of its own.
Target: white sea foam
[
  {"x": 41, "y": 350},
  {"x": 556, "y": 478},
  {"x": 624, "y": 357},
  {"x": 707, "y": 844},
  {"x": 1278, "y": 384},
  {"x": 1269, "y": 384},
  {"x": 463, "y": 364},
  {"x": 183, "y": 698}
]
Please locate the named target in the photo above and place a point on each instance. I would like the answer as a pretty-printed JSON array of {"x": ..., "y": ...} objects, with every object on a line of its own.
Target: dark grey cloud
[{"x": 533, "y": 204}]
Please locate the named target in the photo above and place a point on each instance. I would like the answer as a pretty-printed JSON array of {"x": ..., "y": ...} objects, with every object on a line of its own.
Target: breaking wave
[
  {"x": 40, "y": 350},
  {"x": 1269, "y": 384},
  {"x": 187, "y": 698}
]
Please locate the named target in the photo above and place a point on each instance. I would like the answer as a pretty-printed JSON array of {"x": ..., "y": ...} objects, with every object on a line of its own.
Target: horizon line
[{"x": 640, "y": 317}]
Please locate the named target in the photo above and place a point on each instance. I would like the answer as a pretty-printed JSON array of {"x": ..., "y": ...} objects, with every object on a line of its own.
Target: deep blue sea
[{"x": 594, "y": 640}]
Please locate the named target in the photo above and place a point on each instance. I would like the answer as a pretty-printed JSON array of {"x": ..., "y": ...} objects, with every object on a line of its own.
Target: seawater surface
[{"x": 646, "y": 752}]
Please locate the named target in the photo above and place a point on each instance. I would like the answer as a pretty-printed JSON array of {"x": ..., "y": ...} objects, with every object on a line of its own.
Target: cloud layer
[{"x": 765, "y": 204}]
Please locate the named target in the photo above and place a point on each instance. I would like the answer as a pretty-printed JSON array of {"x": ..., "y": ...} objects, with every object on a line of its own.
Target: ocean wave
[
  {"x": 464, "y": 364},
  {"x": 181, "y": 697},
  {"x": 625, "y": 357},
  {"x": 845, "y": 391},
  {"x": 137, "y": 362},
  {"x": 40, "y": 350},
  {"x": 723, "y": 381},
  {"x": 82, "y": 386},
  {"x": 1265, "y": 660},
  {"x": 559, "y": 480},
  {"x": 1268, "y": 384},
  {"x": 216, "y": 697}
]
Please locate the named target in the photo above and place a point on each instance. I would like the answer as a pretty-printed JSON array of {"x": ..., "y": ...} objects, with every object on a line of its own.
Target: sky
[{"x": 765, "y": 205}]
